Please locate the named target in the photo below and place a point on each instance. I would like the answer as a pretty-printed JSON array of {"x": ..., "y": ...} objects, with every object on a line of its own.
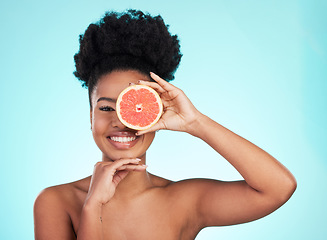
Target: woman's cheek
[
  {"x": 100, "y": 127},
  {"x": 148, "y": 139}
]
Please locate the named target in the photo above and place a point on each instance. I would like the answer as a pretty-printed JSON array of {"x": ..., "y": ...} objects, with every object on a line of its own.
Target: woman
[{"x": 121, "y": 200}]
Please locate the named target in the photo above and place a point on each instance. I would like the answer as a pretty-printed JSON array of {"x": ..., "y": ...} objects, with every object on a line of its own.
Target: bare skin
[{"x": 121, "y": 200}]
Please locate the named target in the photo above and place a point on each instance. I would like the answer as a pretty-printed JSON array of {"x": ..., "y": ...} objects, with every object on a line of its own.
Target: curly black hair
[{"x": 130, "y": 40}]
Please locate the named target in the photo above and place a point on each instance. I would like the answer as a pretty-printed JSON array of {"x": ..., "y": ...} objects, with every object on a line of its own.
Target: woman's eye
[{"x": 106, "y": 108}]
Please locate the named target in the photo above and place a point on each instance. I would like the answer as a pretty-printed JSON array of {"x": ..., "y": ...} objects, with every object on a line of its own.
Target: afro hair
[{"x": 130, "y": 40}]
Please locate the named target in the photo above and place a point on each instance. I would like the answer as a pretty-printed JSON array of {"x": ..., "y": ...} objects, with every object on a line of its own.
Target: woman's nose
[{"x": 116, "y": 123}]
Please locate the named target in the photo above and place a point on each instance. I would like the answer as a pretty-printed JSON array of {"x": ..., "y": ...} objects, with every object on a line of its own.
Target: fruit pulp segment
[{"x": 139, "y": 107}]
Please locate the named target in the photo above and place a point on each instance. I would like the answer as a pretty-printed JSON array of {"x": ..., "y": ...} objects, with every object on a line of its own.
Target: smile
[{"x": 122, "y": 139}]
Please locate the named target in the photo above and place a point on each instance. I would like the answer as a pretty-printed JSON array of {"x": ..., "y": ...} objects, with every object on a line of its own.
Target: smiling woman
[
  {"x": 109, "y": 133},
  {"x": 121, "y": 200}
]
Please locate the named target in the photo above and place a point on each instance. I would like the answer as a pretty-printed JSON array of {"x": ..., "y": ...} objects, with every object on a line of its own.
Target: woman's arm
[
  {"x": 260, "y": 170},
  {"x": 267, "y": 186},
  {"x": 267, "y": 183},
  {"x": 90, "y": 226},
  {"x": 105, "y": 178},
  {"x": 51, "y": 219}
]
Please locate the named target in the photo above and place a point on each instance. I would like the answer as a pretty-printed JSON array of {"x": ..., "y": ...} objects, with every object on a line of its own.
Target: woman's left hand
[{"x": 179, "y": 114}]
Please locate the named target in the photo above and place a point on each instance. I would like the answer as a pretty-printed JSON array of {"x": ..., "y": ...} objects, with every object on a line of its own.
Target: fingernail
[
  {"x": 144, "y": 165},
  {"x": 137, "y": 159}
]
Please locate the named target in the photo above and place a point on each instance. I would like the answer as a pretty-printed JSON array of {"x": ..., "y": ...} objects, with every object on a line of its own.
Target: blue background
[{"x": 257, "y": 67}]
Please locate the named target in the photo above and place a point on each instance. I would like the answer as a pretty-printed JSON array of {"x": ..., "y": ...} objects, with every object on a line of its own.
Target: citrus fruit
[{"x": 139, "y": 107}]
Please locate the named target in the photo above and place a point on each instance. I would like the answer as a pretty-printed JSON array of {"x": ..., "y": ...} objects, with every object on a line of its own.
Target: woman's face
[{"x": 114, "y": 139}]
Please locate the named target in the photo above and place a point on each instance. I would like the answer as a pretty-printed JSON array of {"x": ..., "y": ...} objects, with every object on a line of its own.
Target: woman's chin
[{"x": 124, "y": 155}]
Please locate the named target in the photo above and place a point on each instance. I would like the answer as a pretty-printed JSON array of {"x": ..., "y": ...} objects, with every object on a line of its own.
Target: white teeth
[{"x": 123, "y": 139}]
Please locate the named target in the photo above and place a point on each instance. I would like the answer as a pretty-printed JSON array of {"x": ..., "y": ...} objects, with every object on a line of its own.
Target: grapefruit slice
[{"x": 139, "y": 107}]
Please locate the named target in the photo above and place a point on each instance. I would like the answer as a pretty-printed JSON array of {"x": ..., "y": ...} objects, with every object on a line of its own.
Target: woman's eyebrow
[{"x": 107, "y": 99}]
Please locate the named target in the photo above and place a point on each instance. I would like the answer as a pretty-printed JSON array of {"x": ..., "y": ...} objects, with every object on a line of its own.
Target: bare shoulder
[
  {"x": 63, "y": 193},
  {"x": 189, "y": 187},
  {"x": 189, "y": 192},
  {"x": 221, "y": 203},
  {"x": 160, "y": 182},
  {"x": 194, "y": 186},
  {"x": 184, "y": 199},
  {"x": 51, "y": 196},
  {"x": 53, "y": 209}
]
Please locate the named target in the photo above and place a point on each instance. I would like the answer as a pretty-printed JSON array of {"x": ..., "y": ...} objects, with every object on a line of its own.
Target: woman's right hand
[{"x": 106, "y": 177}]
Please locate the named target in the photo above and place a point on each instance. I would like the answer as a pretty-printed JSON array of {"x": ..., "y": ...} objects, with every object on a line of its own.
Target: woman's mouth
[
  {"x": 123, "y": 139},
  {"x": 123, "y": 142}
]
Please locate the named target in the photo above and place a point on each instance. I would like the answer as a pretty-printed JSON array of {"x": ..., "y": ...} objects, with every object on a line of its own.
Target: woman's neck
[{"x": 134, "y": 183}]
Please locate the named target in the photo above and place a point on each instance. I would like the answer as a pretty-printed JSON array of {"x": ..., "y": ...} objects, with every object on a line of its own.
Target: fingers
[
  {"x": 153, "y": 85},
  {"x": 132, "y": 167},
  {"x": 164, "y": 84},
  {"x": 121, "y": 162},
  {"x": 154, "y": 128},
  {"x": 131, "y": 164}
]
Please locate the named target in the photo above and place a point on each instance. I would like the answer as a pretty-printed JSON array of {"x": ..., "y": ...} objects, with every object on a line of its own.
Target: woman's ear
[{"x": 91, "y": 117}]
